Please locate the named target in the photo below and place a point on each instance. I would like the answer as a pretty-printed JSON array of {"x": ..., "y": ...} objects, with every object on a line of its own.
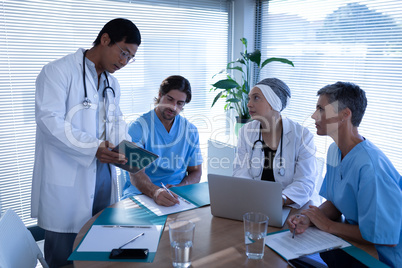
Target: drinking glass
[
  {"x": 255, "y": 230},
  {"x": 181, "y": 234}
]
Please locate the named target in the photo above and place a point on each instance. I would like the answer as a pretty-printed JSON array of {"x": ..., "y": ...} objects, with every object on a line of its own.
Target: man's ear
[
  {"x": 105, "y": 39},
  {"x": 346, "y": 114}
]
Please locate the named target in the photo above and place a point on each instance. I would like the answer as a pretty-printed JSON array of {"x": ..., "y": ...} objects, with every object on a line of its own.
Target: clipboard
[{"x": 138, "y": 158}]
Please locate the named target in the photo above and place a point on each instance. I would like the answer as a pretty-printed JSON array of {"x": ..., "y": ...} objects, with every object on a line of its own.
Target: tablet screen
[{"x": 333, "y": 258}]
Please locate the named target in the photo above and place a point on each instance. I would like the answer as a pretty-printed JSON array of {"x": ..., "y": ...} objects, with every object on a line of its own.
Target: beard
[{"x": 168, "y": 114}]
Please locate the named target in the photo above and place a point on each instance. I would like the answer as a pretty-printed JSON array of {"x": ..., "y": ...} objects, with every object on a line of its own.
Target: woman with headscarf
[
  {"x": 361, "y": 183},
  {"x": 274, "y": 148}
]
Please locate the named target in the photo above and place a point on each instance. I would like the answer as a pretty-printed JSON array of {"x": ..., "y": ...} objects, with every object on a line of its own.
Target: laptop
[{"x": 231, "y": 197}]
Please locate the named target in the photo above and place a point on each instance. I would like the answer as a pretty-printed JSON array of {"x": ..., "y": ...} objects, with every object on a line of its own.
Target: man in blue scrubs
[
  {"x": 164, "y": 132},
  {"x": 361, "y": 183}
]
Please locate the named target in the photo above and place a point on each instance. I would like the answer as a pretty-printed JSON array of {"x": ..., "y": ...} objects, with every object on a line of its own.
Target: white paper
[
  {"x": 104, "y": 239},
  {"x": 162, "y": 210},
  {"x": 311, "y": 241}
]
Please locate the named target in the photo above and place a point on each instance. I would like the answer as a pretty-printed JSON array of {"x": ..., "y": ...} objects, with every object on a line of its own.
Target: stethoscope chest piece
[
  {"x": 87, "y": 103},
  {"x": 281, "y": 171}
]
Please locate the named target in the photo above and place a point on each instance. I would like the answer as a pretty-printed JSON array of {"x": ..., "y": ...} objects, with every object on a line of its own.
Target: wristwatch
[{"x": 284, "y": 199}]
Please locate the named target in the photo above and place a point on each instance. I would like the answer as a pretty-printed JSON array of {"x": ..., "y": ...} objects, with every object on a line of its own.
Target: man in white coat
[{"x": 78, "y": 123}]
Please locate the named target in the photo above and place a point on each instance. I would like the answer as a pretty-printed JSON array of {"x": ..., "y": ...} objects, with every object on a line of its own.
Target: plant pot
[{"x": 239, "y": 123}]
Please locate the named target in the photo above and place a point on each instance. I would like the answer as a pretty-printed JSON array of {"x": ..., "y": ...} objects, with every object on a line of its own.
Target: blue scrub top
[
  {"x": 366, "y": 188},
  {"x": 177, "y": 149}
]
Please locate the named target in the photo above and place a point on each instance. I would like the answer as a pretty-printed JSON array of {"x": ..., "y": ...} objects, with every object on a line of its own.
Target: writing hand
[
  {"x": 298, "y": 223},
  {"x": 163, "y": 198}
]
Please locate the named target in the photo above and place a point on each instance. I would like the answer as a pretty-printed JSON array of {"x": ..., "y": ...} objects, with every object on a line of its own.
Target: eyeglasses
[{"x": 124, "y": 55}]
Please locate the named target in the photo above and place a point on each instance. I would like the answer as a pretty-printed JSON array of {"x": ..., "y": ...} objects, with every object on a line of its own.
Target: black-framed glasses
[{"x": 125, "y": 55}]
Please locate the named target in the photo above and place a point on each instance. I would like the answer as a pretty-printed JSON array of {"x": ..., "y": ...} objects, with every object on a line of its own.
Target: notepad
[
  {"x": 138, "y": 158},
  {"x": 103, "y": 239},
  {"x": 311, "y": 241}
]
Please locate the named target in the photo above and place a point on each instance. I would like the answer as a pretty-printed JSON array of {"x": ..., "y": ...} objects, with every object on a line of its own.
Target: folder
[
  {"x": 282, "y": 243},
  {"x": 197, "y": 193},
  {"x": 117, "y": 217},
  {"x": 190, "y": 196}
]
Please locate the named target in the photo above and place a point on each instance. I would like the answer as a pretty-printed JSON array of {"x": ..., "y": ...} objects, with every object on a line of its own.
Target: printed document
[
  {"x": 311, "y": 241},
  {"x": 150, "y": 204}
]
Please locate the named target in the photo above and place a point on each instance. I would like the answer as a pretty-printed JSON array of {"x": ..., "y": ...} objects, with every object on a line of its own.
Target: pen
[
  {"x": 167, "y": 190},
  {"x": 131, "y": 240},
  {"x": 125, "y": 226},
  {"x": 294, "y": 230}
]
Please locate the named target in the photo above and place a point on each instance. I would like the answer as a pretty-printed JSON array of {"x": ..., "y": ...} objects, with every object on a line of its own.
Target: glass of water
[
  {"x": 181, "y": 234},
  {"x": 255, "y": 230}
]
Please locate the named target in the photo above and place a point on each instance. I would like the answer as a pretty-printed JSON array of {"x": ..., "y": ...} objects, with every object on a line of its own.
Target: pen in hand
[
  {"x": 167, "y": 190},
  {"x": 294, "y": 230}
]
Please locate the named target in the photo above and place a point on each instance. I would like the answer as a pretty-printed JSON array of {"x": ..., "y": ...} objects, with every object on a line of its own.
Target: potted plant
[{"x": 236, "y": 93}]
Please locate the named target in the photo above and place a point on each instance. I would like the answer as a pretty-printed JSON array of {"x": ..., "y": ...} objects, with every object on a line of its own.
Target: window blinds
[
  {"x": 184, "y": 37},
  {"x": 340, "y": 40}
]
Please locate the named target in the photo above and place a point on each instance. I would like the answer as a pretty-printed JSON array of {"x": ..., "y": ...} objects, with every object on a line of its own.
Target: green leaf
[
  {"x": 241, "y": 61},
  {"x": 221, "y": 71},
  {"x": 283, "y": 60},
  {"x": 226, "y": 84},
  {"x": 233, "y": 100},
  {"x": 216, "y": 98},
  {"x": 244, "y": 41},
  {"x": 236, "y": 68},
  {"x": 230, "y": 63},
  {"x": 256, "y": 57}
]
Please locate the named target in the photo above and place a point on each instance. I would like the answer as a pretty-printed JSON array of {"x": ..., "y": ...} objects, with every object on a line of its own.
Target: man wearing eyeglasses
[
  {"x": 164, "y": 132},
  {"x": 78, "y": 121}
]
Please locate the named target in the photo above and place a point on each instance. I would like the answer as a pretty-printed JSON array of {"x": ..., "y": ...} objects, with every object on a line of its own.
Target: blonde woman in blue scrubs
[{"x": 361, "y": 183}]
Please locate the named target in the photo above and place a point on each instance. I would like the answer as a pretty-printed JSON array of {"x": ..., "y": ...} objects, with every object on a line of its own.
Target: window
[
  {"x": 342, "y": 40},
  {"x": 183, "y": 37}
]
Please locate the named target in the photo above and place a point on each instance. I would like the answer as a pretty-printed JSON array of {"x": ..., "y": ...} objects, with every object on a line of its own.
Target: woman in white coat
[{"x": 274, "y": 148}]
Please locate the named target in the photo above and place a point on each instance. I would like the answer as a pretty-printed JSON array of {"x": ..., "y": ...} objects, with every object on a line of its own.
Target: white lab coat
[
  {"x": 64, "y": 175},
  {"x": 298, "y": 159}
]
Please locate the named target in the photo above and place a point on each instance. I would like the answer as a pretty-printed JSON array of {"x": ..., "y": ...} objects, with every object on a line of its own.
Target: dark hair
[
  {"x": 348, "y": 95},
  {"x": 175, "y": 82},
  {"x": 118, "y": 30}
]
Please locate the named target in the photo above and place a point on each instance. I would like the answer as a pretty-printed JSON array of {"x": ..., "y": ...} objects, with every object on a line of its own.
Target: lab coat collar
[{"x": 287, "y": 131}]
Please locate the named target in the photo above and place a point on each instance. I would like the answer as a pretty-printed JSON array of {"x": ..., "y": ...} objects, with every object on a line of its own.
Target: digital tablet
[
  {"x": 138, "y": 158},
  {"x": 333, "y": 258}
]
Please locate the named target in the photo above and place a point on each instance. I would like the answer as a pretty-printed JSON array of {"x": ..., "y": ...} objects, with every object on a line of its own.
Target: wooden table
[{"x": 218, "y": 242}]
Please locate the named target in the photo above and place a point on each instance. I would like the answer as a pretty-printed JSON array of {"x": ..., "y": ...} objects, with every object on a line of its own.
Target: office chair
[
  {"x": 220, "y": 158},
  {"x": 18, "y": 248}
]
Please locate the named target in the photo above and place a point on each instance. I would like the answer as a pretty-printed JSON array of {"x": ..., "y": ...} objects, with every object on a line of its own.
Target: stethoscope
[
  {"x": 87, "y": 102},
  {"x": 281, "y": 170}
]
